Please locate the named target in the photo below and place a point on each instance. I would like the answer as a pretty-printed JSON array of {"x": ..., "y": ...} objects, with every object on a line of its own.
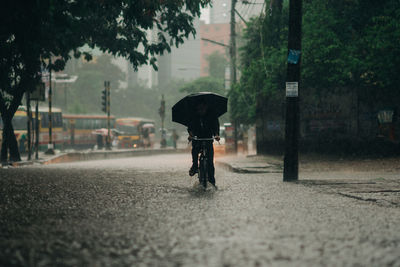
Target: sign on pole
[
  {"x": 39, "y": 93},
  {"x": 292, "y": 89}
]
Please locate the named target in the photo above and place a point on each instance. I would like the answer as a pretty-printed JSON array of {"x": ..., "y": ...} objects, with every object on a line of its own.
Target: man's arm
[
  {"x": 190, "y": 137},
  {"x": 216, "y": 129}
]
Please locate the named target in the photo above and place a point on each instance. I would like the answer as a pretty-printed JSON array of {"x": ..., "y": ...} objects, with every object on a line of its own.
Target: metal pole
[
  {"x": 37, "y": 130},
  {"x": 108, "y": 115},
  {"x": 28, "y": 108},
  {"x": 292, "y": 125},
  {"x": 50, "y": 147},
  {"x": 232, "y": 50}
]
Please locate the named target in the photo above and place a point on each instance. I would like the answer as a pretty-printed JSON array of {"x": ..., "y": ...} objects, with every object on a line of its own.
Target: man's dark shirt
[{"x": 204, "y": 127}]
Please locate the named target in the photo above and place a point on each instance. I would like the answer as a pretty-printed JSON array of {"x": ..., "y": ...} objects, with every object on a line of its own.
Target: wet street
[{"x": 146, "y": 211}]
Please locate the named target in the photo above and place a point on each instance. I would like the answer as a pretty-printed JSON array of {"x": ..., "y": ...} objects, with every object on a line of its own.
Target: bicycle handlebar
[{"x": 202, "y": 139}]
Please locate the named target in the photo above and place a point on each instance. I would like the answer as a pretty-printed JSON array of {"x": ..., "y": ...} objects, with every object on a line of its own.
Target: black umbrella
[{"x": 185, "y": 109}]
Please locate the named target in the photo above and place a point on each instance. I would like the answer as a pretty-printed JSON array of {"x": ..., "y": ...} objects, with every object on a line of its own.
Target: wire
[
  {"x": 244, "y": 14},
  {"x": 252, "y": 9}
]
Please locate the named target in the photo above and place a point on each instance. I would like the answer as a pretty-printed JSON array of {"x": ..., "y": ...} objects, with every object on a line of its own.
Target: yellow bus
[
  {"x": 57, "y": 128},
  {"x": 80, "y": 130},
  {"x": 135, "y": 132}
]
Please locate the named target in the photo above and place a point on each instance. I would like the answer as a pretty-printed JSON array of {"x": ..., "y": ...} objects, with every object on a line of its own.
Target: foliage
[
  {"x": 84, "y": 96},
  {"x": 36, "y": 30},
  {"x": 381, "y": 58},
  {"x": 204, "y": 84},
  {"x": 326, "y": 55},
  {"x": 135, "y": 101},
  {"x": 144, "y": 102},
  {"x": 263, "y": 67},
  {"x": 351, "y": 44},
  {"x": 216, "y": 65},
  {"x": 346, "y": 45}
]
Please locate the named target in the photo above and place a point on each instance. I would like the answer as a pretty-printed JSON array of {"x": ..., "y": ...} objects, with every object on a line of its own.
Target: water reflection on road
[{"x": 147, "y": 210}]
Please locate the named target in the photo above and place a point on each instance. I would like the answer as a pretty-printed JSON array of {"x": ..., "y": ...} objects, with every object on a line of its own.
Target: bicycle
[{"x": 203, "y": 160}]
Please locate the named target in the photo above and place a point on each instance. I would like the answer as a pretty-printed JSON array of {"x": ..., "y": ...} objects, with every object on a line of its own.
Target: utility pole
[
  {"x": 232, "y": 52},
  {"x": 29, "y": 122},
  {"x": 50, "y": 146},
  {"x": 37, "y": 95},
  {"x": 37, "y": 130},
  {"x": 292, "y": 125}
]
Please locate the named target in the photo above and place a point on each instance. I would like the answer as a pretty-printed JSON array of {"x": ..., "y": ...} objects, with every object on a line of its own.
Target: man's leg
[{"x": 195, "y": 159}]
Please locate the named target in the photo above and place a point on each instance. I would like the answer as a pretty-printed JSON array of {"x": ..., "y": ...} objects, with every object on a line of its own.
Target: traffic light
[
  {"x": 161, "y": 110},
  {"x": 104, "y": 100}
]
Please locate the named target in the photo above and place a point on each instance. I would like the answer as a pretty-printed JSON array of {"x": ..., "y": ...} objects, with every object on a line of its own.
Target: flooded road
[{"x": 146, "y": 211}]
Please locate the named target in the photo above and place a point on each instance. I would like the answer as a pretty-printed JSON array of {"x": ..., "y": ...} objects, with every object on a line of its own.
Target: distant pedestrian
[
  {"x": 175, "y": 138},
  {"x": 100, "y": 143},
  {"x": 22, "y": 142},
  {"x": 146, "y": 137}
]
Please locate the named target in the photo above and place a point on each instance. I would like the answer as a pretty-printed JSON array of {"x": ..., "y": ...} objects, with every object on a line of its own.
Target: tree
[
  {"x": 134, "y": 101},
  {"x": 84, "y": 94},
  {"x": 381, "y": 51},
  {"x": 349, "y": 47},
  {"x": 216, "y": 65},
  {"x": 202, "y": 84},
  {"x": 41, "y": 34},
  {"x": 262, "y": 69}
]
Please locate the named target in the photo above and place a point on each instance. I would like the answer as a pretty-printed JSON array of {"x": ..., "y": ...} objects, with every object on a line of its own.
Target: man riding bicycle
[{"x": 203, "y": 125}]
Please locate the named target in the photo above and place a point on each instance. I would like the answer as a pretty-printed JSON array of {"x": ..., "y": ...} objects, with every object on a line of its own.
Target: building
[
  {"x": 220, "y": 12},
  {"x": 219, "y": 33},
  {"x": 189, "y": 60},
  {"x": 183, "y": 62}
]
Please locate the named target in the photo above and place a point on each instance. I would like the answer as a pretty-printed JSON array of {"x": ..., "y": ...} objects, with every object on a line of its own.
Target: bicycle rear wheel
[{"x": 203, "y": 173}]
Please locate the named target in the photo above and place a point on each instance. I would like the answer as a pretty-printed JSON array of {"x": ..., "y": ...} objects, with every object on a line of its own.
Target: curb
[
  {"x": 225, "y": 166},
  {"x": 97, "y": 155},
  {"x": 232, "y": 168}
]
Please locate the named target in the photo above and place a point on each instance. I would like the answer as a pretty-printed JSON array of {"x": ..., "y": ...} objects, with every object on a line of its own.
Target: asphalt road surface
[{"x": 146, "y": 211}]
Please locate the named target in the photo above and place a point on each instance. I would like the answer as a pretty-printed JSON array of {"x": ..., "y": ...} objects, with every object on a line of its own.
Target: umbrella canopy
[
  {"x": 102, "y": 132},
  {"x": 148, "y": 125},
  {"x": 184, "y": 109}
]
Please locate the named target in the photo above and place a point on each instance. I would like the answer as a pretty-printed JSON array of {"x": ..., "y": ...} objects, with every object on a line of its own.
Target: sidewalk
[
  {"x": 251, "y": 164},
  {"x": 374, "y": 180},
  {"x": 309, "y": 163}
]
